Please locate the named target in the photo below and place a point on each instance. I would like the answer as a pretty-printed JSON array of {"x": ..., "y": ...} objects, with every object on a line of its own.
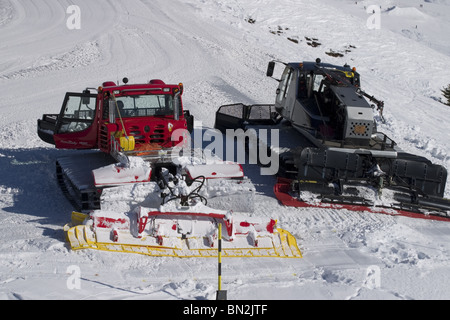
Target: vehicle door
[{"x": 76, "y": 127}]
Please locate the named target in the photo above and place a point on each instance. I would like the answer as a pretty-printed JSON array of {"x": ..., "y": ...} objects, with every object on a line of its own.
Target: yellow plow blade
[{"x": 284, "y": 245}]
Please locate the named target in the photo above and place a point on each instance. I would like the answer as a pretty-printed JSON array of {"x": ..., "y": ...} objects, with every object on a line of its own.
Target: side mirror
[
  {"x": 85, "y": 98},
  {"x": 270, "y": 68},
  {"x": 112, "y": 111}
]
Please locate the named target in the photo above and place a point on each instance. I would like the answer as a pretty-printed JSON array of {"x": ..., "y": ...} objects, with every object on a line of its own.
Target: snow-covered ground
[{"x": 220, "y": 50}]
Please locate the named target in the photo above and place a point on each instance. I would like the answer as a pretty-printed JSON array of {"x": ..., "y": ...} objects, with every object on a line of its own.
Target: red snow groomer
[
  {"x": 120, "y": 121},
  {"x": 139, "y": 115},
  {"x": 136, "y": 186}
]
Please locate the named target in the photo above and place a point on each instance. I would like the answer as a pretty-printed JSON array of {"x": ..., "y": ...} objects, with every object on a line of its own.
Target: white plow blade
[
  {"x": 226, "y": 187},
  {"x": 227, "y": 170},
  {"x": 235, "y": 195},
  {"x": 135, "y": 171}
]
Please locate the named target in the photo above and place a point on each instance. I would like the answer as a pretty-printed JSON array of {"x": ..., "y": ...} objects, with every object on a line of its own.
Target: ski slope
[{"x": 220, "y": 50}]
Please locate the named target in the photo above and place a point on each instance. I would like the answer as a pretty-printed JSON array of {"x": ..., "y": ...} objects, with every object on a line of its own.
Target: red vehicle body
[{"x": 149, "y": 113}]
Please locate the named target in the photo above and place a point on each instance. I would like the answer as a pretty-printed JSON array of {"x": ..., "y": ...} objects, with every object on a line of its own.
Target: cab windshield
[{"x": 145, "y": 105}]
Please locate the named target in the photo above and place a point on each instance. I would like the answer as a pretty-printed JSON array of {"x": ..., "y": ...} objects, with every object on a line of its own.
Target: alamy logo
[
  {"x": 373, "y": 278},
  {"x": 374, "y": 21},
  {"x": 243, "y": 146},
  {"x": 74, "y": 280},
  {"x": 74, "y": 20}
]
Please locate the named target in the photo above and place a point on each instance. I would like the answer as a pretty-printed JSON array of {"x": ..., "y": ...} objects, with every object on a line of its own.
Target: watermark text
[
  {"x": 252, "y": 146},
  {"x": 74, "y": 20},
  {"x": 74, "y": 280},
  {"x": 374, "y": 21}
]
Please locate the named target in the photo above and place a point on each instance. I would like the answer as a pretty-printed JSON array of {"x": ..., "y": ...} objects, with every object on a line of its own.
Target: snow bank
[{"x": 408, "y": 12}]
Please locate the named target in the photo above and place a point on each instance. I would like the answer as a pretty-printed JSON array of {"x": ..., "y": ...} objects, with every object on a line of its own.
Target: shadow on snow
[{"x": 29, "y": 177}]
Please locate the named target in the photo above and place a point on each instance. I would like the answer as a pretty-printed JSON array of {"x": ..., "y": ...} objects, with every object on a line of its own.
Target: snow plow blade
[
  {"x": 400, "y": 205},
  {"x": 182, "y": 233}
]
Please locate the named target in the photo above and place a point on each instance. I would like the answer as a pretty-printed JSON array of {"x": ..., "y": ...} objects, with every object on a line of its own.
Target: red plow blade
[{"x": 284, "y": 194}]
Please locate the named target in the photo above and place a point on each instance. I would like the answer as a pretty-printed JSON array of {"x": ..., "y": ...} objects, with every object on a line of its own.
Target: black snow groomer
[{"x": 331, "y": 154}]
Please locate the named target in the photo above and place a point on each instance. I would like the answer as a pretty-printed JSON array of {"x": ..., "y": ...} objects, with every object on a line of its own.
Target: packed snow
[{"x": 220, "y": 51}]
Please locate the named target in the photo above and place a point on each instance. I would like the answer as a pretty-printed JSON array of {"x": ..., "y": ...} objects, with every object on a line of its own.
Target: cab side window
[
  {"x": 78, "y": 113},
  {"x": 285, "y": 83}
]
